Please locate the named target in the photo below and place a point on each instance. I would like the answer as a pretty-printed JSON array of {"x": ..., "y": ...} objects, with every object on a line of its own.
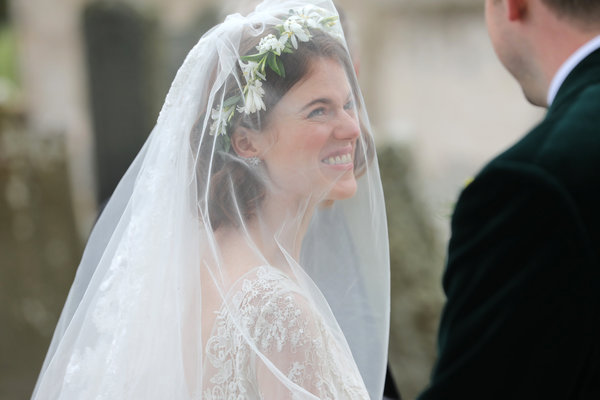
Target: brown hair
[
  {"x": 586, "y": 12},
  {"x": 234, "y": 187}
]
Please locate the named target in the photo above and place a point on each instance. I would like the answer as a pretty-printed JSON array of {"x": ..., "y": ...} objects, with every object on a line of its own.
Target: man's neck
[
  {"x": 569, "y": 64},
  {"x": 555, "y": 39}
]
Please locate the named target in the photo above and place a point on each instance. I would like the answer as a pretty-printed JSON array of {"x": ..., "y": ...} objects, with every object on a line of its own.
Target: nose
[{"x": 348, "y": 127}]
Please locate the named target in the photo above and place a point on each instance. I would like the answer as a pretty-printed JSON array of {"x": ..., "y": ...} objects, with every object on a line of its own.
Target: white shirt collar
[{"x": 569, "y": 65}]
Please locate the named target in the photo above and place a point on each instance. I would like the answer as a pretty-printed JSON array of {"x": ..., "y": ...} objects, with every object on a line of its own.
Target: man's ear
[
  {"x": 244, "y": 142},
  {"x": 515, "y": 9}
]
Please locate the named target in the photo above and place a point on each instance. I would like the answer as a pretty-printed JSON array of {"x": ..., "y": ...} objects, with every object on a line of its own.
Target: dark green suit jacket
[{"x": 522, "y": 319}]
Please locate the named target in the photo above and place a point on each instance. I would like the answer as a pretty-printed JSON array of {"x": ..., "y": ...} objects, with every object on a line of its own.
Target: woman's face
[{"x": 312, "y": 136}]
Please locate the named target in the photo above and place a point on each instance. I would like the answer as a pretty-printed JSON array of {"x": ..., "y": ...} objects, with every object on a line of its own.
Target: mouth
[
  {"x": 338, "y": 160},
  {"x": 340, "y": 157}
]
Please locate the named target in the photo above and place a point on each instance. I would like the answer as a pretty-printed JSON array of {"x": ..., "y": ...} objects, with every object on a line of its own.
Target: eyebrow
[{"x": 323, "y": 100}]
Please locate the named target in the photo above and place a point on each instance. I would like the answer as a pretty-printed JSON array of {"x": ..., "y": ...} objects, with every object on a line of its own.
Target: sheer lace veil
[{"x": 234, "y": 182}]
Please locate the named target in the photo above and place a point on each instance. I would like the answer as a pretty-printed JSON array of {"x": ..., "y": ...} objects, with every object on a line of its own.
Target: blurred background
[{"x": 81, "y": 84}]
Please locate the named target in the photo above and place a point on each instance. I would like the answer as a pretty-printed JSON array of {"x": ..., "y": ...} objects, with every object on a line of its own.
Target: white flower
[
  {"x": 313, "y": 23},
  {"x": 312, "y": 18},
  {"x": 216, "y": 125},
  {"x": 283, "y": 39},
  {"x": 294, "y": 29},
  {"x": 253, "y": 98},
  {"x": 270, "y": 43},
  {"x": 220, "y": 118},
  {"x": 251, "y": 71}
]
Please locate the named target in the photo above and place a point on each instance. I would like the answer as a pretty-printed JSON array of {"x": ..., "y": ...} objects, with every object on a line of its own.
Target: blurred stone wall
[
  {"x": 39, "y": 249},
  {"x": 122, "y": 68},
  {"x": 416, "y": 257},
  {"x": 430, "y": 78},
  {"x": 54, "y": 89}
]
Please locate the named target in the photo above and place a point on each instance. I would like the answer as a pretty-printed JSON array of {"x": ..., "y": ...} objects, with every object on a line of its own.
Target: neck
[
  {"x": 282, "y": 225},
  {"x": 272, "y": 237},
  {"x": 555, "y": 40}
]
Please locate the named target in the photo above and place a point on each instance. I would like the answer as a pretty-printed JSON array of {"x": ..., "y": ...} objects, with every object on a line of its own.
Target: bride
[{"x": 244, "y": 253}]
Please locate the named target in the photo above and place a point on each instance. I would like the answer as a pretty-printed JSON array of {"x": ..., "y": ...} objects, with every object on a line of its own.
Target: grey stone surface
[
  {"x": 416, "y": 258},
  {"x": 121, "y": 54},
  {"x": 39, "y": 250}
]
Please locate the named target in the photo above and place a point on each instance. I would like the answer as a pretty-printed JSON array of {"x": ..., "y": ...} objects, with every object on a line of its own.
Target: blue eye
[
  {"x": 317, "y": 112},
  {"x": 349, "y": 105}
]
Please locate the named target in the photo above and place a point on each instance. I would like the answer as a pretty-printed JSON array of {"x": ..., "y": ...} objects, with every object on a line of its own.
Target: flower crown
[{"x": 295, "y": 28}]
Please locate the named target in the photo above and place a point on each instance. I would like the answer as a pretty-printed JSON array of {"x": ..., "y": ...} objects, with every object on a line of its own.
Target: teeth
[{"x": 343, "y": 159}]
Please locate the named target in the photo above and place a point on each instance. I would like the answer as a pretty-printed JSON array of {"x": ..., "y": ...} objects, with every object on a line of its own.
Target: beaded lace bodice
[{"x": 280, "y": 330}]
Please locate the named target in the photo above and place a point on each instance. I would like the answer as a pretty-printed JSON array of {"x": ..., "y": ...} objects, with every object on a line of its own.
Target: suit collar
[
  {"x": 584, "y": 74},
  {"x": 570, "y": 63}
]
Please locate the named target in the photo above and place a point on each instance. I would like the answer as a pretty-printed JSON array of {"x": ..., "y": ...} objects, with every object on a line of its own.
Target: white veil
[{"x": 191, "y": 286}]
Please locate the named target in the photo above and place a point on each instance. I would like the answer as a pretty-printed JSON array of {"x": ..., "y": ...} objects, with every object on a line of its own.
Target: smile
[{"x": 339, "y": 159}]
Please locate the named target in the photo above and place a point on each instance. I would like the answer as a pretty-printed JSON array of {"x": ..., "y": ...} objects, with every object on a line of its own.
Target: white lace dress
[{"x": 289, "y": 333}]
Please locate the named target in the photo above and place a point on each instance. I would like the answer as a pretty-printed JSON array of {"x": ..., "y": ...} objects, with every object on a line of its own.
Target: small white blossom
[
  {"x": 251, "y": 71},
  {"x": 294, "y": 29},
  {"x": 270, "y": 43},
  {"x": 313, "y": 23},
  {"x": 253, "y": 98},
  {"x": 220, "y": 118},
  {"x": 311, "y": 19},
  {"x": 283, "y": 39}
]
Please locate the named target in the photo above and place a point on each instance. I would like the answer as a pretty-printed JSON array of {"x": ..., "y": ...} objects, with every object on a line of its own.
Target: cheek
[
  {"x": 315, "y": 139},
  {"x": 306, "y": 145},
  {"x": 491, "y": 24},
  {"x": 294, "y": 161}
]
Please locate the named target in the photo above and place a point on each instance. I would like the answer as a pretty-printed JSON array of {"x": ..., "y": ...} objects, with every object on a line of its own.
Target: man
[{"x": 522, "y": 319}]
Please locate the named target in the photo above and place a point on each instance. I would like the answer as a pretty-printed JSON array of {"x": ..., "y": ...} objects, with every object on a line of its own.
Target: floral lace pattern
[{"x": 267, "y": 318}]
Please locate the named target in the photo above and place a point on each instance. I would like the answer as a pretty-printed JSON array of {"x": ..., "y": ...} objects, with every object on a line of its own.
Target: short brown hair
[
  {"x": 234, "y": 188},
  {"x": 585, "y": 11}
]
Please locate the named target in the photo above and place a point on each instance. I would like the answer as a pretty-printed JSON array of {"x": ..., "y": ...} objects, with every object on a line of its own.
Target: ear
[
  {"x": 243, "y": 142},
  {"x": 515, "y": 9}
]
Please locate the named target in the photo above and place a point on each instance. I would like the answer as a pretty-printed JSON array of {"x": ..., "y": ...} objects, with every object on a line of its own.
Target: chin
[{"x": 343, "y": 190}]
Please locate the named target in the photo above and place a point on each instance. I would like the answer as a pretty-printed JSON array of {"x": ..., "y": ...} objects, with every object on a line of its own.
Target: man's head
[{"x": 532, "y": 38}]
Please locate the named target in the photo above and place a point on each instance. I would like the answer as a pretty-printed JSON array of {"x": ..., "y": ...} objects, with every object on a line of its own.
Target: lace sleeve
[
  {"x": 271, "y": 343},
  {"x": 292, "y": 337}
]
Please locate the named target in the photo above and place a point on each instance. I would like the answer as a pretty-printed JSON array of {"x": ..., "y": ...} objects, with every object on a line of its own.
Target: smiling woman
[
  {"x": 199, "y": 280},
  {"x": 314, "y": 140},
  {"x": 301, "y": 101}
]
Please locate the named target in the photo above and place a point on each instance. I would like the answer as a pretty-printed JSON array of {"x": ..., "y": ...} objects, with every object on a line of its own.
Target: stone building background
[{"x": 439, "y": 102}]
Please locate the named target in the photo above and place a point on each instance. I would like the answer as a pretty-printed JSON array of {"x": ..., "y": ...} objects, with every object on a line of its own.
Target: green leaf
[
  {"x": 225, "y": 142},
  {"x": 281, "y": 67},
  {"x": 253, "y": 57},
  {"x": 329, "y": 20},
  {"x": 261, "y": 65},
  {"x": 232, "y": 101},
  {"x": 230, "y": 117},
  {"x": 274, "y": 64}
]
